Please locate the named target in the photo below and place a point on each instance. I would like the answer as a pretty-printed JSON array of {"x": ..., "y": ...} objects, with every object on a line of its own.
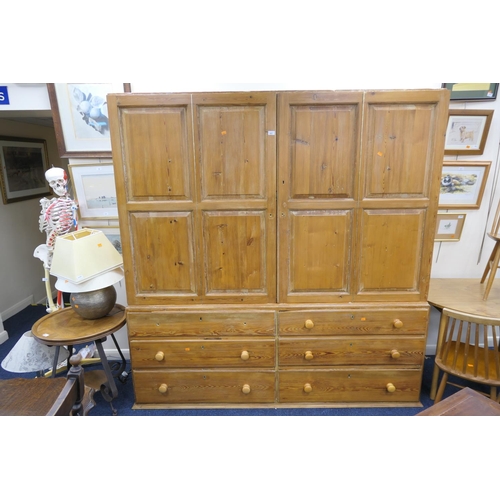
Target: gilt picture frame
[
  {"x": 462, "y": 184},
  {"x": 23, "y": 163},
  {"x": 449, "y": 227},
  {"x": 467, "y": 131},
  {"x": 80, "y": 115},
  {"x": 94, "y": 190}
]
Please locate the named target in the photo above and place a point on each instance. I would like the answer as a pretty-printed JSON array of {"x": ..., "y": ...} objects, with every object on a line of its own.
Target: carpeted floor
[{"x": 22, "y": 322}]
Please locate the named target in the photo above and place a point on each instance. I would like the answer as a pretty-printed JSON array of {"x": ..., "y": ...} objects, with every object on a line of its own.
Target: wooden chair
[
  {"x": 468, "y": 348},
  {"x": 62, "y": 396},
  {"x": 494, "y": 260}
]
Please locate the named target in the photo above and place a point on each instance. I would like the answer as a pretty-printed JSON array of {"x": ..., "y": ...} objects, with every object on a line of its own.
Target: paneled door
[
  {"x": 318, "y": 171},
  {"x": 195, "y": 179}
]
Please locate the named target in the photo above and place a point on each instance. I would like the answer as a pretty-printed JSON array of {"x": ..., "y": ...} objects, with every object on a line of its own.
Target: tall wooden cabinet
[{"x": 277, "y": 245}]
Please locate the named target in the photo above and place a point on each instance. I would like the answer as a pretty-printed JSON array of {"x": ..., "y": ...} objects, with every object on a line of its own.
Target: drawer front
[
  {"x": 199, "y": 324},
  {"x": 357, "y": 350},
  {"x": 353, "y": 322},
  {"x": 211, "y": 386},
  {"x": 192, "y": 353},
  {"x": 349, "y": 385}
]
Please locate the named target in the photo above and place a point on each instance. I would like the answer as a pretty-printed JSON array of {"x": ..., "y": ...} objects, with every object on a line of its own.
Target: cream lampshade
[{"x": 87, "y": 265}]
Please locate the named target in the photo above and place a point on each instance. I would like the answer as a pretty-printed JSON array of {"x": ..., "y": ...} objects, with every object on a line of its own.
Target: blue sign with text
[{"x": 4, "y": 96}]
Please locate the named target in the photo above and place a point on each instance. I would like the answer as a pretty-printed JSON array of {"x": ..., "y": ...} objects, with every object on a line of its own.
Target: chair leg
[
  {"x": 493, "y": 393},
  {"x": 493, "y": 269},
  {"x": 488, "y": 263},
  {"x": 442, "y": 386}
]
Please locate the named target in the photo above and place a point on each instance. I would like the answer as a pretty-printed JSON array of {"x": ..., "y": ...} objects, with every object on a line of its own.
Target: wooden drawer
[
  {"x": 200, "y": 323},
  {"x": 211, "y": 386},
  {"x": 360, "y": 321},
  {"x": 192, "y": 353},
  {"x": 349, "y": 385},
  {"x": 358, "y": 350}
]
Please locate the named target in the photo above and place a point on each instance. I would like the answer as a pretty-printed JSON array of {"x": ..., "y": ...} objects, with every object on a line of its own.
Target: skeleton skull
[{"x": 57, "y": 179}]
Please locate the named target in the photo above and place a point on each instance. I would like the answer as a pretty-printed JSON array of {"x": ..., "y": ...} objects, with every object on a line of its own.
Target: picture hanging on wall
[
  {"x": 449, "y": 227},
  {"x": 472, "y": 91},
  {"x": 113, "y": 235},
  {"x": 80, "y": 115},
  {"x": 95, "y": 191},
  {"x": 462, "y": 184},
  {"x": 467, "y": 131},
  {"x": 23, "y": 163}
]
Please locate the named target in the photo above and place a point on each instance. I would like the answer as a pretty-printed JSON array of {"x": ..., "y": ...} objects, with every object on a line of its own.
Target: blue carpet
[{"x": 23, "y": 321}]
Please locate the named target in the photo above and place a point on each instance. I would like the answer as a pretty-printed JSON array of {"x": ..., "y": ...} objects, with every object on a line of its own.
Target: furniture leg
[
  {"x": 488, "y": 263},
  {"x": 493, "y": 270},
  {"x": 442, "y": 386},
  {"x": 435, "y": 375},
  {"x": 109, "y": 390}
]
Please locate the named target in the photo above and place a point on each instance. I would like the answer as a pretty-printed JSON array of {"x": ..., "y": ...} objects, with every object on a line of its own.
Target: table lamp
[
  {"x": 87, "y": 265},
  {"x": 28, "y": 355}
]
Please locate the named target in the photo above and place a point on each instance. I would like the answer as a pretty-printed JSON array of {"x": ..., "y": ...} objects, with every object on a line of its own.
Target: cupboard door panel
[
  {"x": 163, "y": 253},
  {"x": 157, "y": 153},
  {"x": 232, "y": 151},
  {"x": 323, "y": 150},
  {"x": 319, "y": 251},
  {"x": 235, "y": 252},
  {"x": 391, "y": 242}
]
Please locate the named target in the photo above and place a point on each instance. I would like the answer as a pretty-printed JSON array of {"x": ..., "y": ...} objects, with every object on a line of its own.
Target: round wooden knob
[
  {"x": 245, "y": 389},
  {"x": 163, "y": 388},
  {"x": 308, "y": 355},
  {"x": 390, "y": 387},
  {"x": 395, "y": 354},
  {"x": 159, "y": 356},
  {"x": 397, "y": 323},
  {"x": 309, "y": 324},
  {"x": 308, "y": 388},
  {"x": 245, "y": 355}
]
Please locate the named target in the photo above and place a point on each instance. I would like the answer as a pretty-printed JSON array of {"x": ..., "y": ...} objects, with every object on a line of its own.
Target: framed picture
[
  {"x": 449, "y": 227},
  {"x": 95, "y": 191},
  {"x": 113, "y": 235},
  {"x": 462, "y": 184},
  {"x": 467, "y": 131},
  {"x": 80, "y": 115},
  {"x": 23, "y": 163},
  {"x": 472, "y": 91}
]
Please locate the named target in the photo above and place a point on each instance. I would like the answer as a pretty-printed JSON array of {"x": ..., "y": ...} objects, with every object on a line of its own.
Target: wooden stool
[{"x": 494, "y": 260}]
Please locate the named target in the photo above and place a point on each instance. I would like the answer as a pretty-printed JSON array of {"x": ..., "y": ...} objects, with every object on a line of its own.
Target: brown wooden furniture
[
  {"x": 464, "y": 295},
  {"x": 468, "y": 347},
  {"x": 67, "y": 328},
  {"x": 45, "y": 396},
  {"x": 465, "y": 402},
  {"x": 494, "y": 260},
  {"x": 277, "y": 245}
]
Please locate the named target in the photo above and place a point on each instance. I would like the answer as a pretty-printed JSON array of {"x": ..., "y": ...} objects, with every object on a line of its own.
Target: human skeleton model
[{"x": 57, "y": 218}]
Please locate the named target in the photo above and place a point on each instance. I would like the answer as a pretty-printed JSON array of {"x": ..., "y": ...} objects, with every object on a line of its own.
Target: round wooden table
[{"x": 65, "y": 327}]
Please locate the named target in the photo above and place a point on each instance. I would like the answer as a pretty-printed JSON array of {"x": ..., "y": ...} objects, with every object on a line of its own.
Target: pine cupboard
[{"x": 277, "y": 245}]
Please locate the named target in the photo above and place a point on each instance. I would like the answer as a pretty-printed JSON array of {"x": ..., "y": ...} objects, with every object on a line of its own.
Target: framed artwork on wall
[
  {"x": 23, "y": 163},
  {"x": 467, "y": 131},
  {"x": 113, "y": 235},
  {"x": 462, "y": 184},
  {"x": 80, "y": 115},
  {"x": 472, "y": 91},
  {"x": 95, "y": 191},
  {"x": 449, "y": 227}
]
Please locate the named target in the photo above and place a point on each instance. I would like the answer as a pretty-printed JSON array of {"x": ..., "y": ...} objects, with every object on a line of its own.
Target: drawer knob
[
  {"x": 309, "y": 324},
  {"x": 159, "y": 356},
  {"x": 395, "y": 354},
  {"x": 308, "y": 355},
  {"x": 245, "y": 355},
  {"x": 397, "y": 323},
  {"x": 390, "y": 387},
  {"x": 308, "y": 388},
  {"x": 163, "y": 388},
  {"x": 245, "y": 389}
]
